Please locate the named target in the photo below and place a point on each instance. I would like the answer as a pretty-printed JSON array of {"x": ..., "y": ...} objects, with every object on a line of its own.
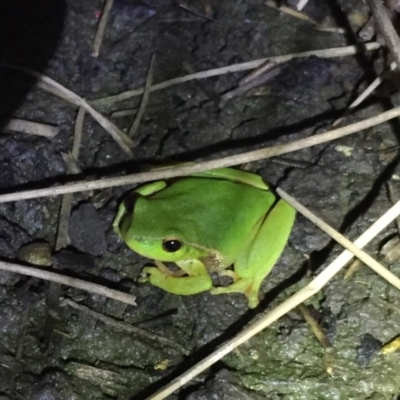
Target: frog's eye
[{"x": 171, "y": 245}]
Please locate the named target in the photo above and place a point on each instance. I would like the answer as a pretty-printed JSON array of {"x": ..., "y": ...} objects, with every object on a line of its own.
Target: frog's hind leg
[
  {"x": 259, "y": 257},
  {"x": 197, "y": 279}
]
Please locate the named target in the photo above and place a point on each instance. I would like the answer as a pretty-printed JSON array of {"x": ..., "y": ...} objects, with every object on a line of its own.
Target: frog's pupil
[{"x": 172, "y": 245}]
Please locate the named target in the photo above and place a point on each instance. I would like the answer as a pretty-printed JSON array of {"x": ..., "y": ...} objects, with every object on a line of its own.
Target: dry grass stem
[
  {"x": 313, "y": 287},
  {"x": 124, "y": 113},
  {"x": 352, "y": 269},
  {"x": 394, "y": 198},
  {"x": 63, "y": 239},
  {"x": 386, "y": 28},
  {"x": 252, "y": 83},
  {"x": 66, "y": 280},
  {"x": 299, "y": 15},
  {"x": 32, "y": 128},
  {"x": 210, "y": 94},
  {"x": 206, "y": 165},
  {"x": 315, "y": 327},
  {"x": 325, "y": 53},
  {"x": 376, "y": 82},
  {"x": 78, "y": 129},
  {"x": 361, "y": 255},
  {"x": 119, "y": 136},
  {"x": 301, "y": 4},
  {"x": 102, "y": 27},
  {"x": 122, "y": 326},
  {"x": 261, "y": 70},
  {"x": 194, "y": 12},
  {"x": 145, "y": 98},
  {"x": 373, "y": 86}
]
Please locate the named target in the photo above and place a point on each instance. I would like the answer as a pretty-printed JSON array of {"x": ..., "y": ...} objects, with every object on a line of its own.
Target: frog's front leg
[
  {"x": 198, "y": 279},
  {"x": 259, "y": 257}
]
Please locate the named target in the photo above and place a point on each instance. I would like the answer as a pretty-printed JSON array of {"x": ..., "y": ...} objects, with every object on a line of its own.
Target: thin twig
[
  {"x": 192, "y": 11},
  {"x": 261, "y": 70},
  {"x": 325, "y": 53},
  {"x": 206, "y": 165},
  {"x": 250, "y": 84},
  {"x": 119, "y": 136},
  {"x": 361, "y": 255},
  {"x": 144, "y": 100},
  {"x": 352, "y": 269},
  {"x": 315, "y": 327},
  {"x": 122, "y": 326},
  {"x": 210, "y": 94},
  {"x": 33, "y": 128},
  {"x": 67, "y": 280},
  {"x": 301, "y": 4},
  {"x": 381, "y": 15},
  {"x": 376, "y": 82},
  {"x": 313, "y": 287},
  {"x": 394, "y": 198},
  {"x": 78, "y": 129},
  {"x": 299, "y": 15},
  {"x": 63, "y": 239},
  {"x": 102, "y": 27}
]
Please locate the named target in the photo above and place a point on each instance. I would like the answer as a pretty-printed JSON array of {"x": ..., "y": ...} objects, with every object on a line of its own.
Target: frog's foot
[
  {"x": 248, "y": 287},
  {"x": 198, "y": 279},
  {"x": 164, "y": 270}
]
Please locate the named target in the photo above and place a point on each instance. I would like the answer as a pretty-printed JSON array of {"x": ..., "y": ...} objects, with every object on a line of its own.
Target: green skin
[{"x": 220, "y": 218}]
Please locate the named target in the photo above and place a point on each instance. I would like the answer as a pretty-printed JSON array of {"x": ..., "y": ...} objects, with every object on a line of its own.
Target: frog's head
[
  {"x": 169, "y": 248},
  {"x": 151, "y": 233}
]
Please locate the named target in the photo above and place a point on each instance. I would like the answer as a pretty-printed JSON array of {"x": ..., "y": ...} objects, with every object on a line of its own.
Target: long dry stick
[
  {"x": 62, "y": 237},
  {"x": 381, "y": 15},
  {"x": 301, "y": 4},
  {"x": 313, "y": 287},
  {"x": 66, "y": 280},
  {"x": 207, "y": 165},
  {"x": 102, "y": 27},
  {"x": 145, "y": 98},
  {"x": 55, "y": 88},
  {"x": 33, "y": 128},
  {"x": 361, "y": 255},
  {"x": 304, "y": 17},
  {"x": 372, "y": 86},
  {"x": 123, "y": 326},
  {"x": 325, "y": 53}
]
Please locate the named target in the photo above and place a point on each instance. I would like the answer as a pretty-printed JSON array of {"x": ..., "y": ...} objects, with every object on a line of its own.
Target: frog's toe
[
  {"x": 186, "y": 285},
  {"x": 248, "y": 288},
  {"x": 145, "y": 274}
]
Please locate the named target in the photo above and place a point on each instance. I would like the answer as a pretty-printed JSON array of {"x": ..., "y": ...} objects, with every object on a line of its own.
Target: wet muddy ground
[{"x": 344, "y": 182}]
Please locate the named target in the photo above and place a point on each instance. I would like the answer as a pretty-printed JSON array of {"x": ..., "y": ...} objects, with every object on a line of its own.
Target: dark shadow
[{"x": 29, "y": 33}]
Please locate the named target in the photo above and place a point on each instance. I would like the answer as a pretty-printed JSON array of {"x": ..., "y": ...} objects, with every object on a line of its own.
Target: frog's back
[{"x": 210, "y": 213}]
